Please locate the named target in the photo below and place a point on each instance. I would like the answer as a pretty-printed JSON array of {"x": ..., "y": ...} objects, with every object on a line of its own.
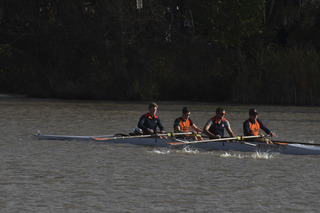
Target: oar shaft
[
  {"x": 121, "y": 137},
  {"x": 239, "y": 138},
  {"x": 172, "y": 134},
  {"x": 142, "y": 136}
]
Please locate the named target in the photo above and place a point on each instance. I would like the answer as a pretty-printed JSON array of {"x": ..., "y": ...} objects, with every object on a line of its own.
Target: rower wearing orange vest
[
  {"x": 183, "y": 123},
  {"x": 214, "y": 128},
  {"x": 252, "y": 125}
]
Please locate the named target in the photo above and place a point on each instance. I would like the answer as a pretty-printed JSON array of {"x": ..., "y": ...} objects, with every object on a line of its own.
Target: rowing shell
[{"x": 243, "y": 146}]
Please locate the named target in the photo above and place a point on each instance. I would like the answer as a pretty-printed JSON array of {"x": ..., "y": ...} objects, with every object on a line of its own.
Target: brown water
[{"x": 79, "y": 176}]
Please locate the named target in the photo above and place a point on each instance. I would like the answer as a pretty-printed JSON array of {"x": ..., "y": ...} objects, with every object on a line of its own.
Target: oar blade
[
  {"x": 176, "y": 143},
  {"x": 101, "y": 139},
  {"x": 294, "y": 142},
  {"x": 280, "y": 143}
]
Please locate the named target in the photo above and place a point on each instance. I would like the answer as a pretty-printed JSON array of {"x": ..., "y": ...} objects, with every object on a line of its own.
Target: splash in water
[
  {"x": 160, "y": 151},
  {"x": 189, "y": 150},
  {"x": 229, "y": 155},
  {"x": 256, "y": 155},
  {"x": 263, "y": 155}
]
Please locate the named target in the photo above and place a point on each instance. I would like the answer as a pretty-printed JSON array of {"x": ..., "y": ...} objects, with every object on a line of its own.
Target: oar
[
  {"x": 181, "y": 142},
  {"x": 292, "y": 142},
  {"x": 239, "y": 138},
  {"x": 169, "y": 134}
]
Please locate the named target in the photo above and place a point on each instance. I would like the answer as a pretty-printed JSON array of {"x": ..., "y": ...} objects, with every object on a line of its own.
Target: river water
[{"x": 82, "y": 176}]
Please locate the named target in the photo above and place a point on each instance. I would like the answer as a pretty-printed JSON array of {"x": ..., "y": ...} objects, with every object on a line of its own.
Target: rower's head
[
  {"x": 153, "y": 108},
  {"x": 185, "y": 112},
  {"x": 220, "y": 112},
  {"x": 253, "y": 113}
]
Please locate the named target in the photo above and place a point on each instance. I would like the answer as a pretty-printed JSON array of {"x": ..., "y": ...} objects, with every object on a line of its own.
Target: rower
[
  {"x": 149, "y": 121},
  {"x": 214, "y": 128},
  {"x": 252, "y": 125},
  {"x": 182, "y": 124}
]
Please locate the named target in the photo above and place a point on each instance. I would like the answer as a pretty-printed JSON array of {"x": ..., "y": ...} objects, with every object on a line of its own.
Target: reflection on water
[{"x": 81, "y": 176}]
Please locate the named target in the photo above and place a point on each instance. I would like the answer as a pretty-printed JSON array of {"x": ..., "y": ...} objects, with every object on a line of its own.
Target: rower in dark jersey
[{"x": 149, "y": 122}]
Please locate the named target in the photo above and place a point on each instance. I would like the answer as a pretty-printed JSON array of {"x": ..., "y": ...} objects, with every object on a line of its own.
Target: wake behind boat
[{"x": 239, "y": 143}]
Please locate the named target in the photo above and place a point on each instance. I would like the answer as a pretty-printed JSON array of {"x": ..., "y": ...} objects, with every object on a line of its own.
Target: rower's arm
[
  {"x": 195, "y": 128},
  {"x": 160, "y": 125},
  {"x": 207, "y": 132},
  {"x": 263, "y": 127},
  {"x": 230, "y": 132},
  {"x": 141, "y": 124},
  {"x": 177, "y": 129},
  {"x": 246, "y": 130},
  {"x": 176, "y": 126}
]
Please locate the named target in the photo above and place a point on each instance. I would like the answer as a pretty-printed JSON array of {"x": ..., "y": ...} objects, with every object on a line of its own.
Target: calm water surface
[{"x": 79, "y": 176}]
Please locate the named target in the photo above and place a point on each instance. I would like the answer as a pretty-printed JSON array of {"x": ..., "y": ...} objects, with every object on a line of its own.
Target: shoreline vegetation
[{"x": 266, "y": 52}]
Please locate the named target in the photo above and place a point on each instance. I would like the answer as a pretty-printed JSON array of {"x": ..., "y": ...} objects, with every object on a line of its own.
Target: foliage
[{"x": 264, "y": 51}]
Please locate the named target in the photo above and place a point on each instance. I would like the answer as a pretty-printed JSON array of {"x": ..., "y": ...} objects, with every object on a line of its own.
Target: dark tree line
[{"x": 262, "y": 51}]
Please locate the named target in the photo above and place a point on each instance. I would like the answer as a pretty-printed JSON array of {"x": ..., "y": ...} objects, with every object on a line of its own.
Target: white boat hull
[{"x": 242, "y": 146}]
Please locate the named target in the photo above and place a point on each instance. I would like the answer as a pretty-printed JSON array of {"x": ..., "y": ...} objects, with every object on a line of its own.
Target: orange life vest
[
  {"x": 184, "y": 125},
  {"x": 254, "y": 128}
]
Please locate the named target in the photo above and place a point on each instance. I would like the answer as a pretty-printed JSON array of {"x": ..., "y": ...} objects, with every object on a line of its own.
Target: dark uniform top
[{"x": 148, "y": 121}]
